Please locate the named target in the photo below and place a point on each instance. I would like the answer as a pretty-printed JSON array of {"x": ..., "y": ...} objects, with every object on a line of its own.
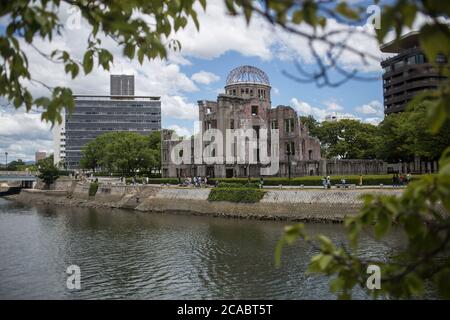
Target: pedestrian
[
  {"x": 328, "y": 182},
  {"x": 394, "y": 180},
  {"x": 261, "y": 182},
  {"x": 360, "y": 180},
  {"x": 408, "y": 178},
  {"x": 324, "y": 182}
]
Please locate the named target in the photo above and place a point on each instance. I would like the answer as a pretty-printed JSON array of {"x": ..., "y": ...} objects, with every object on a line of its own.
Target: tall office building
[
  {"x": 59, "y": 142},
  {"x": 39, "y": 155},
  {"x": 97, "y": 114},
  {"x": 122, "y": 85},
  {"x": 407, "y": 73}
]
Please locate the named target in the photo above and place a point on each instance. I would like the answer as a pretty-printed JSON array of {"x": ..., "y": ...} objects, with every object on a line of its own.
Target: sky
[{"x": 199, "y": 72}]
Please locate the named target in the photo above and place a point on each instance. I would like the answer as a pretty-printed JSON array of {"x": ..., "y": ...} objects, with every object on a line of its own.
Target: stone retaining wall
[{"x": 295, "y": 205}]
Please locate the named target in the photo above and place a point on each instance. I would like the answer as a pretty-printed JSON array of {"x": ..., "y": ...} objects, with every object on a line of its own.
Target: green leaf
[
  {"x": 442, "y": 281},
  {"x": 88, "y": 61},
  {"x": 343, "y": 9},
  {"x": 297, "y": 16},
  {"x": 414, "y": 284},
  {"x": 382, "y": 224},
  {"x": 325, "y": 261},
  {"x": 326, "y": 244}
]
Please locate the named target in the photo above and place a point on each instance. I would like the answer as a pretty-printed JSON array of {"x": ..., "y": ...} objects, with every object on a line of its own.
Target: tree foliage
[
  {"x": 15, "y": 165},
  {"x": 399, "y": 137},
  {"x": 422, "y": 212},
  {"x": 123, "y": 152},
  {"x": 347, "y": 139},
  {"x": 141, "y": 28},
  {"x": 48, "y": 172},
  {"x": 403, "y": 136},
  {"x": 426, "y": 256}
]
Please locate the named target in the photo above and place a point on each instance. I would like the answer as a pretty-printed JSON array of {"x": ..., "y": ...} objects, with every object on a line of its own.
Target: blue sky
[
  {"x": 199, "y": 72},
  {"x": 349, "y": 95}
]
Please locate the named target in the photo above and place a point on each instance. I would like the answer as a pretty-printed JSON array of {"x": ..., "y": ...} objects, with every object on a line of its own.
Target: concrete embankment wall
[{"x": 285, "y": 204}]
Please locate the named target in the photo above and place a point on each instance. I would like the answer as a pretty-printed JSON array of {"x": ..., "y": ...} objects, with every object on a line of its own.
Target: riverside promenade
[{"x": 292, "y": 204}]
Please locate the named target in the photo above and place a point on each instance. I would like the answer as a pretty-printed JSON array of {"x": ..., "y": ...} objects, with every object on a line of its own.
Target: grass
[
  {"x": 93, "y": 187},
  {"x": 236, "y": 192}
]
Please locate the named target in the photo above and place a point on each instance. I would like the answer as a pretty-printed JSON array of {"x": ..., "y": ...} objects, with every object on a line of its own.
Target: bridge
[
  {"x": 18, "y": 175},
  {"x": 11, "y": 182}
]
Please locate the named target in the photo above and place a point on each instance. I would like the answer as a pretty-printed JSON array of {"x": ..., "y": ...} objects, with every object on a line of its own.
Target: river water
[{"x": 129, "y": 255}]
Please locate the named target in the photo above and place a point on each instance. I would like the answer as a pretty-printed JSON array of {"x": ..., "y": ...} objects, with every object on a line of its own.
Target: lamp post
[
  {"x": 288, "y": 153},
  {"x": 6, "y": 160}
]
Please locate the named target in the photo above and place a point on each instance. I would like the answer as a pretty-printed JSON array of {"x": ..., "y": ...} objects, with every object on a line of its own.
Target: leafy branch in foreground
[
  {"x": 142, "y": 29},
  {"x": 310, "y": 20},
  {"x": 421, "y": 212},
  {"x": 126, "y": 22}
]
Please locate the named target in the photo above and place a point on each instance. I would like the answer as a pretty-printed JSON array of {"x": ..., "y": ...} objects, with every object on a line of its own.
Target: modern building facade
[
  {"x": 334, "y": 117},
  {"x": 98, "y": 114},
  {"x": 246, "y": 104},
  {"x": 122, "y": 85},
  {"x": 59, "y": 142},
  {"x": 407, "y": 73},
  {"x": 40, "y": 155}
]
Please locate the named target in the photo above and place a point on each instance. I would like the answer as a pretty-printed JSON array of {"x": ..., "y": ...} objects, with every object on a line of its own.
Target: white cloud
[
  {"x": 332, "y": 105},
  {"x": 180, "y": 131},
  {"x": 375, "y": 121},
  {"x": 219, "y": 91},
  {"x": 22, "y": 134},
  {"x": 220, "y": 33},
  {"x": 374, "y": 107},
  {"x": 205, "y": 77},
  {"x": 178, "y": 107},
  {"x": 275, "y": 91},
  {"x": 305, "y": 109}
]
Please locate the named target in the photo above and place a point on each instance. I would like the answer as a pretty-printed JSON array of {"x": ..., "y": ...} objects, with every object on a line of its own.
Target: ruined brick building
[{"x": 246, "y": 104}]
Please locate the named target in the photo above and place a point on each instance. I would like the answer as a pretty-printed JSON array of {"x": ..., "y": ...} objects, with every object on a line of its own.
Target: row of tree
[
  {"x": 126, "y": 153},
  {"x": 399, "y": 137}
]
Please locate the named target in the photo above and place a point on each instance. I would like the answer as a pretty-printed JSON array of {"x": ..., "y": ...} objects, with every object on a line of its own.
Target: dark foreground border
[{"x": 226, "y": 309}]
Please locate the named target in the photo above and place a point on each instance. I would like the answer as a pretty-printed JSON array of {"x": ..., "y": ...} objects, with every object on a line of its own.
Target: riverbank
[{"x": 277, "y": 204}]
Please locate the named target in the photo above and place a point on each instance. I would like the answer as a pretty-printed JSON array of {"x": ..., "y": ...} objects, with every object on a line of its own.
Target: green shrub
[
  {"x": 368, "y": 180},
  {"x": 242, "y": 195},
  {"x": 153, "y": 180},
  {"x": 93, "y": 187},
  {"x": 237, "y": 185},
  {"x": 163, "y": 181}
]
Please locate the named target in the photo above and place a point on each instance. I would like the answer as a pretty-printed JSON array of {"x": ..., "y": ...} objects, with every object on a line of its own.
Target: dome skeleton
[{"x": 247, "y": 74}]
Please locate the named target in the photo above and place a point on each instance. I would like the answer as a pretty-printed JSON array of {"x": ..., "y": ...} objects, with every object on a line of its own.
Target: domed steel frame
[{"x": 247, "y": 74}]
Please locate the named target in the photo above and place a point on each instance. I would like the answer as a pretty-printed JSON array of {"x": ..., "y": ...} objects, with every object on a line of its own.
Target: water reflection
[{"x": 125, "y": 254}]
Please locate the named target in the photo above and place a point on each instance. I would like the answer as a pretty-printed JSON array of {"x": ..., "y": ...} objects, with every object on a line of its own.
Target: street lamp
[
  {"x": 288, "y": 153},
  {"x": 6, "y": 160}
]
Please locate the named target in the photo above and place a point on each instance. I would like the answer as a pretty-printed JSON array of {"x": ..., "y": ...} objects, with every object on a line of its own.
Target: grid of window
[{"x": 92, "y": 118}]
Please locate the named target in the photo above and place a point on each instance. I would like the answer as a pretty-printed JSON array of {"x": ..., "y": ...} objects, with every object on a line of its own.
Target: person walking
[
  {"x": 394, "y": 180},
  {"x": 408, "y": 178},
  {"x": 324, "y": 182},
  {"x": 329, "y": 182},
  {"x": 360, "y": 180}
]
